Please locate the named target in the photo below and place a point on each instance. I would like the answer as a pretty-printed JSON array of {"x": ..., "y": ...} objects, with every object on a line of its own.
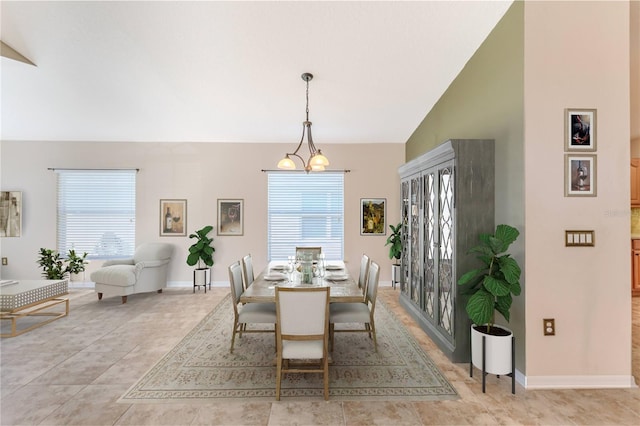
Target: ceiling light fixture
[{"x": 317, "y": 161}]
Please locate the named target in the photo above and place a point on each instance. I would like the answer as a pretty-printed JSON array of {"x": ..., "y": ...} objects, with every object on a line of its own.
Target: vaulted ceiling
[{"x": 214, "y": 71}]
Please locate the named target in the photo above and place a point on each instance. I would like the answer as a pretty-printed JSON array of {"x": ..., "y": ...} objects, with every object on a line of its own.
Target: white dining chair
[
  {"x": 248, "y": 313},
  {"x": 247, "y": 271},
  {"x": 364, "y": 271},
  {"x": 315, "y": 251},
  {"x": 358, "y": 312},
  {"x": 302, "y": 333}
]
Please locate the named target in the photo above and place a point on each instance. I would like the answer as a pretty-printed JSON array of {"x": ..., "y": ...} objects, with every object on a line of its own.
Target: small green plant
[
  {"x": 54, "y": 267},
  {"x": 395, "y": 240},
  {"x": 202, "y": 250},
  {"x": 76, "y": 262},
  {"x": 492, "y": 286}
]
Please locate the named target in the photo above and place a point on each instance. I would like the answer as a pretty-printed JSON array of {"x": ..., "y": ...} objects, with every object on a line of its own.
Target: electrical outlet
[
  {"x": 549, "y": 326},
  {"x": 5, "y": 261}
]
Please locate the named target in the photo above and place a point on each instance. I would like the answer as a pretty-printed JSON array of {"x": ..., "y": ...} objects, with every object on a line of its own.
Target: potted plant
[
  {"x": 491, "y": 288},
  {"x": 54, "y": 267},
  {"x": 395, "y": 251},
  {"x": 201, "y": 252},
  {"x": 76, "y": 263}
]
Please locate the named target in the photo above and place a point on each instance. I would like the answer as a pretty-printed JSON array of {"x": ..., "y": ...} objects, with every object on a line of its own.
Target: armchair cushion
[{"x": 118, "y": 275}]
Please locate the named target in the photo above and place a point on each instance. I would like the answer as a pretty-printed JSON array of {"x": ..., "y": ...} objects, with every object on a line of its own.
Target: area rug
[{"x": 200, "y": 367}]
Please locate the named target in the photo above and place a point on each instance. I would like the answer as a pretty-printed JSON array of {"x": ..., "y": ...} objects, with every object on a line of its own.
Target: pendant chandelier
[{"x": 316, "y": 161}]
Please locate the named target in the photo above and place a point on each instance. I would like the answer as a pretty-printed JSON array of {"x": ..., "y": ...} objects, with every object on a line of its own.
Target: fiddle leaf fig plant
[
  {"x": 202, "y": 250},
  {"x": 491, "y": 287},
  {"x": 395, "y": 240}
]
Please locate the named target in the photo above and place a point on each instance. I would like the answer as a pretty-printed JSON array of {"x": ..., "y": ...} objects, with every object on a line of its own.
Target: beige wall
[
  {"x": 577, "y": 57},
  {"x": 200, "y": 173}
]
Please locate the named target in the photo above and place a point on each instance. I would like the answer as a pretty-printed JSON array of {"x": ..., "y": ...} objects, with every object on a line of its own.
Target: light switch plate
[{"x": 579, "y": 238}]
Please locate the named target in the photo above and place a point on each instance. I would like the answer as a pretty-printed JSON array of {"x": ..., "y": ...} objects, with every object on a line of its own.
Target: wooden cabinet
[
  {"x": 635, "y": 267},
  {"x": 447, "y": 201},
  {"x": 635, "y": 182}
]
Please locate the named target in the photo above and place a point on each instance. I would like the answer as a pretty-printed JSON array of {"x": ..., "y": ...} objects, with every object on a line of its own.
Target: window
[
  {"x": 97, "y": 212},
  {"x": 305, "y": 210}
]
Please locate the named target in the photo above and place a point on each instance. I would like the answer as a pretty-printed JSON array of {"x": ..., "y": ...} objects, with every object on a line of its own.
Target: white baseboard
[{"x": 579, "y": 382}]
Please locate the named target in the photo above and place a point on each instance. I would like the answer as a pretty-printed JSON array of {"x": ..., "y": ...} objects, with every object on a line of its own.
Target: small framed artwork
[
  {"x": 580, "y": 129},
  {"x": 173, "y": 218},
  {"x": 580, "y": 175},
  {"x": 10, "y": 213},
  {"x": 373, "y": 214},
  {"x": 230, "y": 217}
]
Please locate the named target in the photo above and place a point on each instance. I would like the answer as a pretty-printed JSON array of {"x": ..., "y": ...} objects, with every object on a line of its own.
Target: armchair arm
[
  {"x": 118, "y": 262},
  {"x": 150, "y": 264}
]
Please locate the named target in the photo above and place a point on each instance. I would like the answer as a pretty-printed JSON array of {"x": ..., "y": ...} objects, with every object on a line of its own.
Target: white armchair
[{"x": 146, "y": 271}]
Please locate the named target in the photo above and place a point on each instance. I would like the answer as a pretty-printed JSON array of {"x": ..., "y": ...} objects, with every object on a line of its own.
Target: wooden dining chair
[
  {"x": 315, "y": 251},
  {"x": 249, "y": 313},
  {"x": 364, "y": 272},
  {"x": 247, "y": 271},
  {"x": 358, "y": 312},
  {"x": 302, "y": 333}
]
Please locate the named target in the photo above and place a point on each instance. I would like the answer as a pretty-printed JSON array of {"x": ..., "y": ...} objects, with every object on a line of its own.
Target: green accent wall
[{"x": 486, "y": 101}]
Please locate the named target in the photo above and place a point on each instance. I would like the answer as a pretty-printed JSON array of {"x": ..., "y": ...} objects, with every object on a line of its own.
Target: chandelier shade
[{"x": 317, "y": 161}]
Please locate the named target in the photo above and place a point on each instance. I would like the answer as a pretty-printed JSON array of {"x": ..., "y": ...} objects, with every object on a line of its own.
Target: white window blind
[
  {"x": 306, "y": 210},
  {"x": 97, "y": 212}
]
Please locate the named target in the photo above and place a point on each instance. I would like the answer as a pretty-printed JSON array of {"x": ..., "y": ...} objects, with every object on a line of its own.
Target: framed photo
[
  {"x": 580, "y": 175},
  {"x": 373, "y": 214},
  {"x": 173, "y": 218},
  {"x": 230, "y": 217},
  {"x": 10, "y": 213},
  {"x": 580, "y": 130}
]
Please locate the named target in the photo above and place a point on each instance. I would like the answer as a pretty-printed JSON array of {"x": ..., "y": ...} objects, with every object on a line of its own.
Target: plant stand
[
  {"x": 201, "y": 277},
  {"x": 395, "y": 275},
  {"x": 484, "y": 373}
]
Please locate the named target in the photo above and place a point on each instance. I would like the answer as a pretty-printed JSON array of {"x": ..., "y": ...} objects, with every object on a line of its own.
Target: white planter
[
  {"x": 497, "y": 351},
  {"x": 395, "y": 275},
  {"x": 201, "y": 276}
]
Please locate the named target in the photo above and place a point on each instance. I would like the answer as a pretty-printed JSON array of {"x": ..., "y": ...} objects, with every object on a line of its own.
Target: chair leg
[
  {"x": 99, "y": 296},
  {"x": 278, "y": 376},
  {"x": 331, "y": 333},
  {"x": 233, "y": 335},
  {"x": 373, "y": 332},
  {"x": 124, "y": 299}
]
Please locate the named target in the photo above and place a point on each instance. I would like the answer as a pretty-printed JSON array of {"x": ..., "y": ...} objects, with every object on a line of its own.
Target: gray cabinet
[{"x": 447, "y": 201}]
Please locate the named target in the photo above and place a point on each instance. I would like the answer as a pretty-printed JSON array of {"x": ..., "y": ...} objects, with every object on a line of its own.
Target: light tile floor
[{"x": 76, "y": 380}]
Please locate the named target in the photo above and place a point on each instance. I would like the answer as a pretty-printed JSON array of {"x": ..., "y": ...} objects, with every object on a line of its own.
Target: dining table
[{"x": 342, "y": 286}]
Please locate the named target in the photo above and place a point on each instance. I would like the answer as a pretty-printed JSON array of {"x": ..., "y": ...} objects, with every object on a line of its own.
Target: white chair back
[
  {"x": 364, "y": 271},
  {"x": 235, "y": 279},
  {"x": 315, "y": 251},
  {"x": 302, "y": 311},
  {"x": 372, "y": 284},
  {"x": 247, "y": 270}
]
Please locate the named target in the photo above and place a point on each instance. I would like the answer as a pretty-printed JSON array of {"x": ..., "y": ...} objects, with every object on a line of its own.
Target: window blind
[
  {"x": 305, "y": 210},
  {"x": 96, "y": 212}
]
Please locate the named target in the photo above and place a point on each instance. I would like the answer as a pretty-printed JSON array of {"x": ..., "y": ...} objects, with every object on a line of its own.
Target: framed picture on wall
[
  {"x": 230, "y": 217},
  {"x": 373, "y": 215},
  {"x": 580, "y": 175},
  {"x": 580, "y": 129},
  {"x": 10, "y": 213},
  {"x": 173, "y": 218}
]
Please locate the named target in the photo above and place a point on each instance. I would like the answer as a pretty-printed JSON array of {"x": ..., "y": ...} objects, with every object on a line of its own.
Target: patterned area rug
[{"x": 200, "y": 367}]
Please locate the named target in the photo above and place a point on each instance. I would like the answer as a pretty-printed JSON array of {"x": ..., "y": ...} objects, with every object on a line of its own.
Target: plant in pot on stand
[
  {"x": 491, "y": 288},
  {"x": 201, "y": 252},
  {"x": 395, "y": 251}
]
